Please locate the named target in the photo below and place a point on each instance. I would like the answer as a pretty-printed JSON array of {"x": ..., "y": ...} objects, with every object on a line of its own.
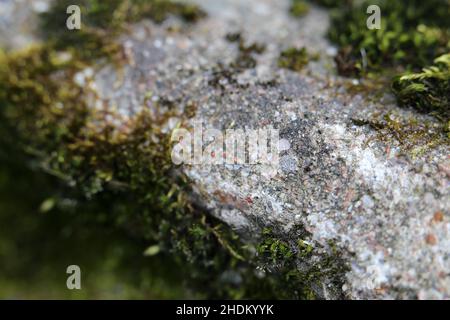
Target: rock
[
  {"x": 18, "y": 22},
  {"x": 383, "y": 209}
]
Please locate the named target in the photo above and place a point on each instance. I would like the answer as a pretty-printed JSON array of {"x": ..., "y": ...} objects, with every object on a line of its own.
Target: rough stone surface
[{"x": 339, "y": 182}]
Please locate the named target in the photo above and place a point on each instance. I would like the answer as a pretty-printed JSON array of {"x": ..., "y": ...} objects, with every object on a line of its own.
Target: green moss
[
  {"x": 159, "y": 10},
  {"x": 447, "y": 128},
  {"x": 294, "y": 59},
  {"x": 305, "y": 249},
  {"x": 123, "y": 176},
  {"x": 299, "y": 8},
  {"x": 37, "y": 247},
  {"x": 412, "y": 34},
  {"x": 413, "y": 137},
  {"x": 273, "y": 248},
  {"x": 113, "y": 15},
  {"x": 427, "y": 91},
  {"x": 290, "y": 258}
]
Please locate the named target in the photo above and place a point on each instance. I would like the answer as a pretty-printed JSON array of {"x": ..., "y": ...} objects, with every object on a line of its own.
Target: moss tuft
[
  {"x": 427, "y": 91},
  {"x": 299, "y": 8},
  {"x": 412, "y": 33},
  {"x": 125, "y": 175}
]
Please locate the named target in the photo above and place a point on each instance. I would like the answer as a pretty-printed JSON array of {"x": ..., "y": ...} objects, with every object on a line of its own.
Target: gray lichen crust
[{"x": 373, "y": 197}]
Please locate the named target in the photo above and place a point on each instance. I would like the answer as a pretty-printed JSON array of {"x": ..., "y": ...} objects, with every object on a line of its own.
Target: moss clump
[
  {"x": 226, "y": 74},
  {"x": 245, "y": 58},
  {"x": 294, "y": 59},
  {"x": 114, "y": 14},
  {"x": 299, "y": 8},
  {"x": 273, "y": 248},
  {"x": 37, "y": 99},
  {"x": 412, "y": 33},
  {"x": 413, "y": 137},
  {"x": 292, "y": 259},
  {"x": 427, "y": 91}
]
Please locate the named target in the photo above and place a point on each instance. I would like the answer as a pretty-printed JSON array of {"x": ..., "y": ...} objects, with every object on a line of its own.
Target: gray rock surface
[
  {"x": 18, "y": 22},
  {"x": 340, "y": 183}
]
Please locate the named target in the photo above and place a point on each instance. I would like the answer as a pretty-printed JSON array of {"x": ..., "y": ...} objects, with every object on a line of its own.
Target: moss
[
  {"x": 332, "y": 3},
  {"x": 245, "y": 58},
  {"x": 295, "y": 59},
  {"x": 115, "y": 14},
  {"x": 113, "y": 267},
  {"x": 412, "y": 33},
  {"x": 373, "y": 88},
  {"x": 305, "y": 249},
  {"x": 299, "y": 8},
  {"x": 160, "y": 9},
  {"x": 427, "y": 91},
  {"x": 296, "y": 265}
]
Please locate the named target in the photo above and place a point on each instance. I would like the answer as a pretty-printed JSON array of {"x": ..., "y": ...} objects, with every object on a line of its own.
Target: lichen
[{"x": 426, "y": 91}]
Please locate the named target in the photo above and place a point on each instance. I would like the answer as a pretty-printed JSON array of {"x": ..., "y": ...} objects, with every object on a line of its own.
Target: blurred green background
[{"x": 38, "y": 242}]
